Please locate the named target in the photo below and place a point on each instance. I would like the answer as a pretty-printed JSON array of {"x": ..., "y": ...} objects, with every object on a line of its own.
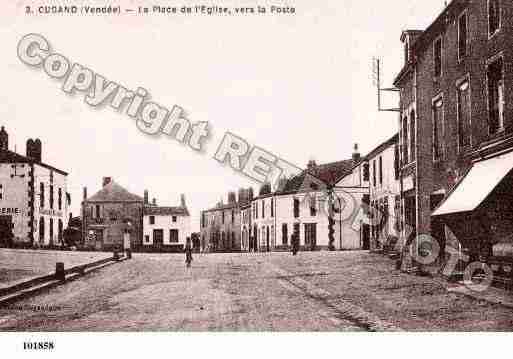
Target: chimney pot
[
  {"x": 106, "y": 181},
  {"x": 182, "y": 201},
  {"x": 85, "y": 193},
  {"x": 146, "y": 197}
]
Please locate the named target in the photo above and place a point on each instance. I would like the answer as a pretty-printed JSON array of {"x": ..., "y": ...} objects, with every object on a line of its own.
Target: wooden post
[{"x": 59, "y": 271}]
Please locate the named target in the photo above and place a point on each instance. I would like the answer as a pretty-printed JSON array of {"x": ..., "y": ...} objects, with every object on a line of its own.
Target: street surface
[
  {"x": 322, "y": 291},
  {"x": 20, "y": 264}
]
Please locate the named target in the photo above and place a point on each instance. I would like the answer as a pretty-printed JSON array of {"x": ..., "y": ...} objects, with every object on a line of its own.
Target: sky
[{"x": 299, "y": 86}]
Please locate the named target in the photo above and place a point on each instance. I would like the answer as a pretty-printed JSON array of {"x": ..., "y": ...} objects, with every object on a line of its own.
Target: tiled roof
[
  {"x": 165, "y": 211},
  {"x": 319, "y": 176},
  {"x": 113, "y": 192},
  {"x": 7, "y": 156}
]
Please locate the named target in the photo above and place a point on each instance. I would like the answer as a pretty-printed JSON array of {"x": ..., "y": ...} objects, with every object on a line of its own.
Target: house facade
[
  {"x": 385, "y": 192},
  {"x": 34, "y": 201},
  {"x": 165, "y": 229},
  {"x": 456, "y": 119},
  {"x": 109, "y": 214},
  {"x": 221, "y": 225}
]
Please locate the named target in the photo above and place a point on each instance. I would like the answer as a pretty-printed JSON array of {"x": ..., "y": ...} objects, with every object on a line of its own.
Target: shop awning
[{"x": 477, "y": 185}]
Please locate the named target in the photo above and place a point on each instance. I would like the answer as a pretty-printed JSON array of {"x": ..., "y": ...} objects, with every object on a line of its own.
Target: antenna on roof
[{"x": 376, "y": 80}]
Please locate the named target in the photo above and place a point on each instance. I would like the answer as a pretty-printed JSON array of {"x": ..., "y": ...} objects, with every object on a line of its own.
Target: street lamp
[{"x": 126, "y": 239}]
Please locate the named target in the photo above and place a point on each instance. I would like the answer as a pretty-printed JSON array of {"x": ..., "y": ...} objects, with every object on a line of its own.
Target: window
[
  {"x": 284, "y": 234},
  {"x": 313, "y": 206},
  {"x": 233, "y": 240},
  {"x": 152, "y": 219},
  {"x": 297, "y": 230},
  {"x": 405, "y": 141},
  {"x": 60, "y": 199},
  {"x": 413, "y": 155},
  {"x": 494, "y": 17},
  {"x": 51, "y": 230},
  {"x": 311, "y": 235},
  {"x": 60, "y": 229},
  {"x": 365, "y": 172},
  {"x": 380, "y": 170},
  {"x": 396, "y": 161},
  {"x": 464, "y": 130},
  {"x": 42, "y": 195},
  {"x": 263, "y": 209},
  {"x": 462, "y": 36},
  {"x": 296, "y": 208},
  {"x": 41, "y": 229},
  {"x": 438, "y": 130},
  {"x": 98, "y": 214},
  {"x": 147, "y": 238},
  {"x": 496, "y": 96},
  {"x": 233, "y": 216},
  {"x": 222, "y": 214},
  {"x": 173, "y": 218},
  {"x": 272, "y": 207},
  {"x": 374, "y": 173},
  {"x": 51, "y": 196},
  {"x": 173, "y": 236},
  {"x": 1, "y": 191},
  {"x": 437, "y": 53}
]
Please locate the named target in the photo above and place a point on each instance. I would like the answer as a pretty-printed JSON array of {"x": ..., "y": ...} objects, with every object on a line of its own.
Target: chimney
[
  {"x": 356, "y": 154},
  {"x": 182, "y": 201},
  {"x": 106, "y": 181},
  {"x": 34, "y": 149},
  {"x": 146, "y": 197},
  {"x": 4, "y": 139},
  {"x": 311, "y": 164},
  {"x": 85, "y": 193},
  {"x": 154, "y": 201},
  {"x": 232, "y": 198}
]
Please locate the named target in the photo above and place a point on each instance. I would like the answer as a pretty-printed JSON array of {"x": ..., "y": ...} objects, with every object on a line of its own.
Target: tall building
[
  {"x": 34, "y": 200},
  {"x": 456, "y": 124}
]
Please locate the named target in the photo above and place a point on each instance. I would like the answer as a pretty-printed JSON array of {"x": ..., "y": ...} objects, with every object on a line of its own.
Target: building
[
  {"x": 456, "y": 124},
  {"x": 384, "y": 192},
  {"x": 247, "y": 243},
  {"x": 110, "y": 213},
  {"x": 34, "y": 200},
  {"x": 303, "y": 207},
  {"x": 221, "y": 225},
  {"x": 165, "y": 229}
]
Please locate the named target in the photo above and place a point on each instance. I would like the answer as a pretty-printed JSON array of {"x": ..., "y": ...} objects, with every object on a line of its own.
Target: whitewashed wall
[{"x": 182, "y": 224}]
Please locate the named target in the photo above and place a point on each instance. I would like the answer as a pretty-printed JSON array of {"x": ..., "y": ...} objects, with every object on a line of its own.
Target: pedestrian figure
[
  {"x": 188, "y": 252},
  {"x": 295, "y": 244}
]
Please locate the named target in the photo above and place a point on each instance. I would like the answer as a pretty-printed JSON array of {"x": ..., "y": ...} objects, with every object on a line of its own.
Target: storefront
[{"x": 479, "y": 210}]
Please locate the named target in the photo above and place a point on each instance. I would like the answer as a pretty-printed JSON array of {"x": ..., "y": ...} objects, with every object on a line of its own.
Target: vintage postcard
[{"x": 317, "y": 168}]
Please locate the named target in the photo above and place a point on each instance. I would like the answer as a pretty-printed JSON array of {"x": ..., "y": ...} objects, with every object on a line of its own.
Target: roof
[
  {"x": 165, "y": 211},
  {"x": 319, "y": 176},
  {"x": 224, "y": 206},
  {"x": 427, "y": 36},
  {"x": 7, "y": 156},
  {"x": 113, "y": 192},
  {"x": 383, "y": 146}
]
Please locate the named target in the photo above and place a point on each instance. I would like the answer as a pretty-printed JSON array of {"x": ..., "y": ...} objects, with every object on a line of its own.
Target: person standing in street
[{"x": 188, "y": 252}]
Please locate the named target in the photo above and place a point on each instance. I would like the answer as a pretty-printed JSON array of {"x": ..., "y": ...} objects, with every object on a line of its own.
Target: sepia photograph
[{"x": 261, "y": 177}]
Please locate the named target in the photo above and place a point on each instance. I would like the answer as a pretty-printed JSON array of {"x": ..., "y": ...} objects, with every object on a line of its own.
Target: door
[
  {"x": 98, "y": 239},
  {"x": 6, "y": 230},
  {"x": 311, "y": 236},
  {"x": 158, "y": 239}
]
